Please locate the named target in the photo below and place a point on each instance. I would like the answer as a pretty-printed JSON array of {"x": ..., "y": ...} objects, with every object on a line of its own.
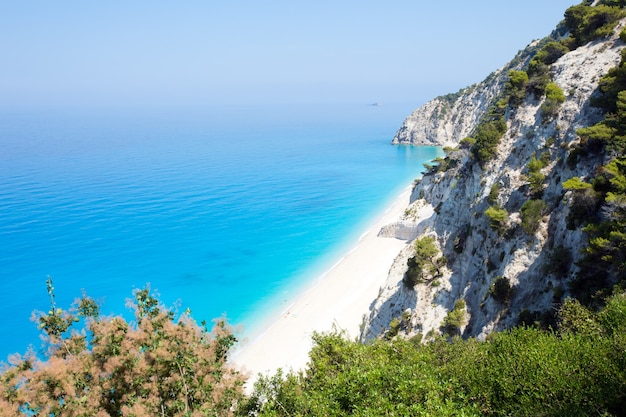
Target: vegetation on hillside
[
  {"x": 426, "y": 264},
  {"x": 584, "y": 23},
  {"x": 600, "y": 206},
  {"x": 579, "y": 370}
]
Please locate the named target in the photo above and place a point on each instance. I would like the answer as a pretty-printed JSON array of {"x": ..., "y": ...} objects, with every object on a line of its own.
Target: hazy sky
[{"x": 194, "y": 52}]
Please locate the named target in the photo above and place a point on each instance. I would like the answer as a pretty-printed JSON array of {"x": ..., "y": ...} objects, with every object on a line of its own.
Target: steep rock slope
[
  {"x": 445, "y": 120},
  {"x": 503, "y": 271}
]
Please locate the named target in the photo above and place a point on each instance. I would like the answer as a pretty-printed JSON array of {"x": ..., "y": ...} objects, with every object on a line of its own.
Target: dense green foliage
[
  {"x": 576, "y": 183},
  {"x": 535, "y": 176},
  {"x": 587, "y": 23},
  {"x": 498, "y": 216},
  {"x": 601, "y": 205},
  {"x": 551, "y": 52},
  {"x": 425, "y": 264},
  {"x": 455, "y": 319},
  {"x": 500, "y": 289},
  {"x": 577, "y": 371},
  {"x": 532, "y": 212},
  {"x": 515, "y": 88},
  {"x": 614, "y": 3},
  {"x": 488, "y": 133},
  {"x": 494, "y": 192},
  {"x": 156, "y": 366},
  {"x": 554, "y": 98},
  {"x": 538, "y": 76}
]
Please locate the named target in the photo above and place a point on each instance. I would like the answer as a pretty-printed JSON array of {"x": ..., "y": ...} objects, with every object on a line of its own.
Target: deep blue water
[{"x": 225, "y": 211}]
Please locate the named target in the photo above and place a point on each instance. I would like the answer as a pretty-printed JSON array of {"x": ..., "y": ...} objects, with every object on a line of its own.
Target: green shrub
[
  {"x": 455, "y": 319},
  {"x": 500, "y": 289},
  {"x": 488, "y": 135},
  {"x": 587, "y": 23},
  {"x": 394, "y": 328},
  {"x": 584, "y": 208},
  {"x": 535, "y": 176},
  {"x": 573, "y": 317},
  {"x": 554, "y": 98},
  {"x": 559, "y": 262},
  {"x": 494, "y": 192},
  {"x": 534, "y": 164},
  {"x": 425, "y": 264},
  {"x": 613, "y": 3},
  {"x": 532, "y": 212},
  {"x": 576, "y": 183},
  {"x": 467, "y": 143},
  {"x": 515, "y": 88},
  {"x": 539, "y": 77},
  {"x": 551, "y": 52},
  {"x": 498, "y": 217},
  {"x": 575, "y": 371}
]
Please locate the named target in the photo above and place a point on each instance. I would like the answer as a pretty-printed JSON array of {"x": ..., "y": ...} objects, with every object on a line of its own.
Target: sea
[{"x": 225, "y": 210}]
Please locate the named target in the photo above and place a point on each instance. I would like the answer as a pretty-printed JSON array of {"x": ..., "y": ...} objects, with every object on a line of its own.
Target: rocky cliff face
[
  {"x": 445, "y": 120},
  {"x": 504, "y": 273}
]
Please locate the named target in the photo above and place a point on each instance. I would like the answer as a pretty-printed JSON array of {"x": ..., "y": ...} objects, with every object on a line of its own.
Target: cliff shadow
[{"x": 380, "y": 316}]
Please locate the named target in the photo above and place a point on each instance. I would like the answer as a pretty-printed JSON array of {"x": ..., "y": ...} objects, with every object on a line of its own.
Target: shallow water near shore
[{"x": 222, "y": 210}]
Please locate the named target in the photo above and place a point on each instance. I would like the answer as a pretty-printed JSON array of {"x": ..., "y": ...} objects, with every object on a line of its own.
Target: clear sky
[{"x": 205, "y": 51}]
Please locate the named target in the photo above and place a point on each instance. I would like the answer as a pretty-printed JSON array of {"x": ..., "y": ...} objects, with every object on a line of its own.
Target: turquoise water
[{"x": 224, "y": 211}]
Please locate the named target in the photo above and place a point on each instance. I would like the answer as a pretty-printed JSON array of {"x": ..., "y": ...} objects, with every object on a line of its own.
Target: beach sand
[{"x": 340, "y": 298}]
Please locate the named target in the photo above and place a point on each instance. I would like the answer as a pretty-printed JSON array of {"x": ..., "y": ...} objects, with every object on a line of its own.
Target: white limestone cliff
[{"x": 449, "y": 204}]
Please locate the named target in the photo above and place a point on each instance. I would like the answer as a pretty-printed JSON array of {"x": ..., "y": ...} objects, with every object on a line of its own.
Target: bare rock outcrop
[{"x": 445, "y": 120}]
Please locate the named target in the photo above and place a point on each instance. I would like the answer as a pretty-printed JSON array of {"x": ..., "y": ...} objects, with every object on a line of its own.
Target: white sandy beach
[{"x": 341, "y": 297}]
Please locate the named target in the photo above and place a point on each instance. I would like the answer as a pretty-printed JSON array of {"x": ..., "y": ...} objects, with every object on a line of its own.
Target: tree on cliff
[{"x": 155, "y": 366}]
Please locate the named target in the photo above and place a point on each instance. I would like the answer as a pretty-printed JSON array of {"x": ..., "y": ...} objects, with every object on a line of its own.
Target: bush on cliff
[
  {"x": 515, "y": 87},
  {"x": 587, "y": 23},
  {"x": 487, "y": 135},
  {"x": 531, "y": 213},
  {"x": 554, "y": 98},
  {"x": 498, "y": 216},
  {"x": 426, "y": 263}
]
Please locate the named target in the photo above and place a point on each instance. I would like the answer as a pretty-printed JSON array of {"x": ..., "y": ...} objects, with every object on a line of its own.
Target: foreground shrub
[
  {"x": 577, "y": 371},
  {"x": 156, "y": 366}
]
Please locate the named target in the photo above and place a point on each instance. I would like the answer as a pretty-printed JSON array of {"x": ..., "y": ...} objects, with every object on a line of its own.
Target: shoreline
[{"x": 339, "y": 297}]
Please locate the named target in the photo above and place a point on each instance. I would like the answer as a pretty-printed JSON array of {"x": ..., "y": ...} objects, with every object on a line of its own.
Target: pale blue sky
[{"x": 196, "y": 52}]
